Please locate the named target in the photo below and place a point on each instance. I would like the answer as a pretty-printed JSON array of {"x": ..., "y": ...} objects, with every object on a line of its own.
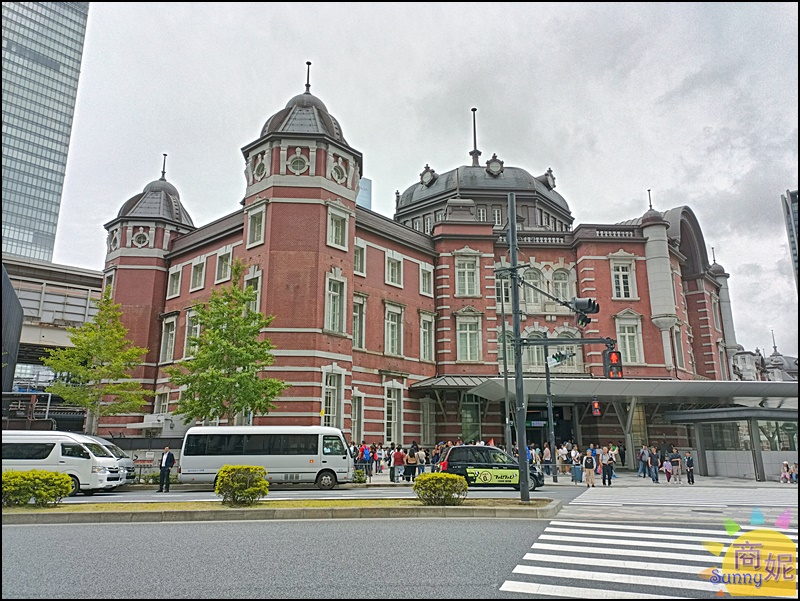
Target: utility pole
[
  {"x": 522, "y": 405},
  {"x": 507, "y": 402},
  {"x": 551, "y": 423}
]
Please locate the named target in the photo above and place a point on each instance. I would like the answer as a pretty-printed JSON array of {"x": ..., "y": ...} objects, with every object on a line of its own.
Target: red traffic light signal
[
  {"x": 612, "y": 364},
  {"x": 595, "y": 407}
]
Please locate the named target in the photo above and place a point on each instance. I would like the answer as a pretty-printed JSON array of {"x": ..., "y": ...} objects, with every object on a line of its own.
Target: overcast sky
[{"x": 697, "y": 102}]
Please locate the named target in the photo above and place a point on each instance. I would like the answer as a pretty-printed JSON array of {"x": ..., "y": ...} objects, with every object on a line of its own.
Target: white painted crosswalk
[
  {"x": 688, "y": 496},
  {"x": 601, "y": 560}
]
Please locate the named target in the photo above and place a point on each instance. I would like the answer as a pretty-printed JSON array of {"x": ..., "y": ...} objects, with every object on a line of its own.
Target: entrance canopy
[{"x": 708, "y": 392}]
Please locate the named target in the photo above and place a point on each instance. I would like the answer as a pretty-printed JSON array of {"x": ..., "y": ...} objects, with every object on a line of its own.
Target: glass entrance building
[{"x": 42, "y": 51}]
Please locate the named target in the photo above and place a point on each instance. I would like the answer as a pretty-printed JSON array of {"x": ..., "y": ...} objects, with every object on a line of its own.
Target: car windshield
[
  {"x": 116, "y": 451},
  {"x": 97, "y": 449}
]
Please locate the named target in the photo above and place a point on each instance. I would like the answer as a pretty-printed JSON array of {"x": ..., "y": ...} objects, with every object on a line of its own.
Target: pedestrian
[
  {"x": 666, "y": 467},
  {"x": 422, "y": 457},
  {"x": 167, "y": 461},
  {"x": 675, "y": 460},
  {"x": 546, "y": 457},
  {"x": 435, "y": 458},
  {"x": 575, "y": 459},
  {"x": 644, "y": 461},
  {"x": 589, "y": 465},
  {"x": 794, "y": 473},
  {"x": 411, "y": 463},
  {"x": 653, "y": 464},
  {"x": 612, "y": 448},
  {"x": 380, "y": 458},
  {"x": 786, "y": 473},
  {"x": 563, "y": 454},
  {"x": 622, "y": 450},
  {"x": 398, "y": 463},
  {"x": 607, "y": 465},
  {"x": 688, "y": 462}
]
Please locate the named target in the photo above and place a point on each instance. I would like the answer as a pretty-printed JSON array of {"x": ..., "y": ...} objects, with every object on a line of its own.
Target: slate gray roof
[
  {"x": 159, "y": 200},
  {"x": 304, "y": 114},
  {"x": 216, "y": 229}
]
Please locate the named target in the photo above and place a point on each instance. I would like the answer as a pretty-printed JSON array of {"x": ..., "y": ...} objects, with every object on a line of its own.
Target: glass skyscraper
[{"x": 42, "y": 51}]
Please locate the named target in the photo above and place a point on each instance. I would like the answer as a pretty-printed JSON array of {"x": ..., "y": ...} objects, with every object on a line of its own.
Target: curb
[{"x": 307, "y": 513}]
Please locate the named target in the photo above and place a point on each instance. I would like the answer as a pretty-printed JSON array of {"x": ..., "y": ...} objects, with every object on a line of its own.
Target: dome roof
[
  {"x": 470, "y": 179},
  {"x": 158, "y": 200},
  {"x": 304, "y": 114},
  {"x": 716, "y": 269},
  {"x": 652, "y": 216}
]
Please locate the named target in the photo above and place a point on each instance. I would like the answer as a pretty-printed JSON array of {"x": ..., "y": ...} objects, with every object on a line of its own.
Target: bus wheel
[
  {"x": 76, "y": 486},
  {"x": 89, "y": 493},
  {"x": 326, "y": 480}
]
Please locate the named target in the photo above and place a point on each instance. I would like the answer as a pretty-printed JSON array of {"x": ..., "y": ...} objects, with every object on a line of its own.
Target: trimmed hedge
[
  {"x": 46, "y": 489},
  {"x": 241, "y": 484},
  {"x": 359, "y": 477},
  {"x": 440, "y": 489}
]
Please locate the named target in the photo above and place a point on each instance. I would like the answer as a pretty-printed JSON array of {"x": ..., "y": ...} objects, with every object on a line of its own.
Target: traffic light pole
[{"x": 550, "y": 419}]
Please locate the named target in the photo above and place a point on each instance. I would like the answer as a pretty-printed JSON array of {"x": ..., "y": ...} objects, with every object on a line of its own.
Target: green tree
[
  {"x": 94, "y": 372},
  {"x": 224, "y": 376}
]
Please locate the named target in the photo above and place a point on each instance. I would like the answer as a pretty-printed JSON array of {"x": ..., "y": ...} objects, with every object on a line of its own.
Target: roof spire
[
  {"x": 713, "y": 255},
  {"x": 164, "y": 169},
  {"x": 774, "y": 346},
  {"x": 308, "y": 77},
  {"x": 474, "y": 153},
  {"x": 649, "y": 199}
]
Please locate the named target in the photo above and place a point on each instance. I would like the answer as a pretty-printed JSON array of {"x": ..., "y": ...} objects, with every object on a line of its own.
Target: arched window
[
  {"x": 505, "y": 350},
  {"x": 534, "y": 354},
  {"x": 561, "y": 285},
  {"x": 534, "y": 277}
]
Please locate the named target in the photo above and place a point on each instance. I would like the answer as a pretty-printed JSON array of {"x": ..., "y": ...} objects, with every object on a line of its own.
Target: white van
[
  {"x": 127, "y": 469},
  {"x": 91, "y": 467}
]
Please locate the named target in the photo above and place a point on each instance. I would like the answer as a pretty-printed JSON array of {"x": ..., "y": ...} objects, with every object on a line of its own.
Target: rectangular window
[
  {"x": 198, "y": 276},
  {"x": 622, "y": 281},
  {"x": 161, "y": 403},
  {"x": 428, "y": 423},
  {"x": 254, "y": 282},
  {"x": 439, "y": 215},
  {"x": 497, "y": 216},
  {"x": 192, "y": 330},
  {"x": 426, "y": 280},
  {"x": 481, "y": 214},
  {"x": 356, "y": 418},
  {"x": 394, "y": 271},
  {"x": 468, "y": 339},
  {"x": 168, "y": 340},
  {"x": 628, "y": 343},
  {"x": 715, "y": 313},
  {"x": 360, "y": 259},
  {"x": 394, "y": 331},
  {"x": 109, "y": 283},
  {"x": 174, "y": 283},
  {"x": 335, "y": 306},
  {"x": 392, "y": 424},
  {"x": 503, "y": 290},
  {"x": 426, "y": 338},
  {"x": 359, "y": 322},
  {"x": 337, "y": 229},
  {"x": 332, "y": 400},
  {"x": 466, "y": 277},
  {"x": 417, "y": 225},
  {"x": 255, "y": 228},
  {"x": 223, "y": 267},
  {"x": 428, "y": 225},
  {"x": 723, "y": 365}
]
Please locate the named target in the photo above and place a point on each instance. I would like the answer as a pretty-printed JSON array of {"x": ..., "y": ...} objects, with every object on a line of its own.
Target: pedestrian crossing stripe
[
  {"x": 647, "y": 535},
  {"x": 706, "y": 558},
  {"x": 650, "y": 529},
  {"x": 574, "y": 592}
]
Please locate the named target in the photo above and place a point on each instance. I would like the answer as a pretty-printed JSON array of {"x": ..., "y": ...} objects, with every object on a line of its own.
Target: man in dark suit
[{"x": 167, "y": 461}]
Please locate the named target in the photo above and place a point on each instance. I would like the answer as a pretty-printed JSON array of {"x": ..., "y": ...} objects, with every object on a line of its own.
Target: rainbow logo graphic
[{"x": 758, "y": 562}]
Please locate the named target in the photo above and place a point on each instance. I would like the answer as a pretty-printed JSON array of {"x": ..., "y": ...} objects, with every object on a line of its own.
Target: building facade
[
  {"x": 383, "y": 326},
  {"x": 42, "y": 52},
  {"x": 789, "y": 206}
]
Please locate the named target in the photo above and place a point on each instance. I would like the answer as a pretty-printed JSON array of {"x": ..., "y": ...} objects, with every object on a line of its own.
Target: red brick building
[{"x": 385, "y": 325}]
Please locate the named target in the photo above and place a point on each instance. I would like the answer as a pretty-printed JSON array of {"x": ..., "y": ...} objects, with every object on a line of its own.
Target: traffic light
[
  {"x": 612, "y": 364},
  {"x": 585, "y": 305},
  {"x": 595, "y": 406},
  {"x": 558, "y": 358}
]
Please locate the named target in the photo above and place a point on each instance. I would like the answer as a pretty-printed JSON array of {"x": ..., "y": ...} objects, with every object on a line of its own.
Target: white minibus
[
  {"x": 90, "y": 466},
  {"x": 127, "y": 468},
  {"x": 290, "y": 454}
]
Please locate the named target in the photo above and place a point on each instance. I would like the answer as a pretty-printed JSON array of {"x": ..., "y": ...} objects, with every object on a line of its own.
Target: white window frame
[
  {"x": 677, "y": 337},
  {"x": 427, "y": 337},
  {"x": 502, "y": 290},
  {"x": 356, "y": 416},
  {"x": 428, "y": 224},
  {"x": 168, "y": 331},
  {"x": 198, "y": 266},
  {"x": 392, "y": 412},
  {"x": 482, "y": 214},
  {"x": 618, "y": 277},
  {"x": 393, "y": 321},
  {"x": 109, "y": 280},
  {"x": 632, "y": 333},
  {"x": 566, "y": 294},
  {"x": 505, "y": 348},
  {"x": 224, "y": 257},
  {"x": 533, "y": 298},
  {"x": 161, "y": 403},
  {"x": 469, "y": 285},
  {"x": 255, "y": 230},
  {"x": 332, "y": 396},
  {"x": 175, "y": 274},
  {"x": 360, "y": 247},
  {"x": 533, "y": 355},
  {"x": 393, "y": 258},
  {"x": 338, "y": 227},
  {"x": 468, "y": 339},
  {"x": 359, "y": 322},
  {"x": 254, "y": 275},
  {"x": 417, "y": 224},
  {"x": 335, "y": 322},
  {"x": 497, "y": 216},
  {"x": 192, "y": 329},
  {"x": 426, "y": 279},
  {"x": 439, "y": 216},
  {"x": 715, "y": 314}
]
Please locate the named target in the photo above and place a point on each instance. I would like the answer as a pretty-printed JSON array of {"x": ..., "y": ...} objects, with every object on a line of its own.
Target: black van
[{"x": 487, "y": 466}]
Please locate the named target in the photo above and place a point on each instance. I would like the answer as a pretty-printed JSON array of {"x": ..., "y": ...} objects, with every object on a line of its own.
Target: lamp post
[
  {"x": 550, "y": 422},
  {"x": 521, "y": 404}
]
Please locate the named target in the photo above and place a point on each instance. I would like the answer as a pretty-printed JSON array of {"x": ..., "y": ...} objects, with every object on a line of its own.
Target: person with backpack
[
  {"x": 421, "y": 460},
  {"x": 644, "y": 458},
  {"x": 589, "y": 464},
  {"x": 366, "y": 460}
]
